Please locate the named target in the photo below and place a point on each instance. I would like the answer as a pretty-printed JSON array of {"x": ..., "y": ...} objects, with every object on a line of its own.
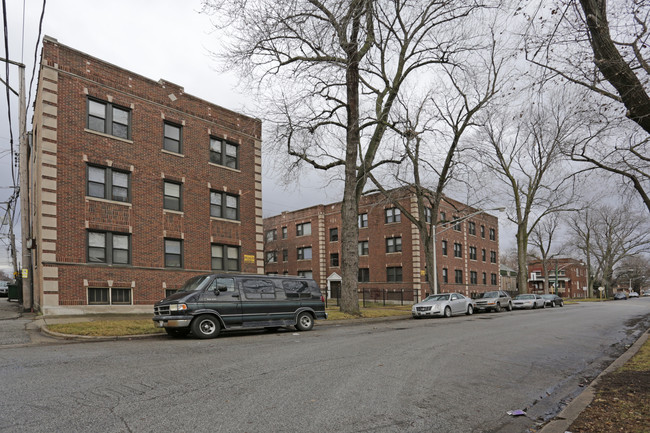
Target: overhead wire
[
  {"x": 40, "y": 29},
  {"x": 11, "y": 133}
]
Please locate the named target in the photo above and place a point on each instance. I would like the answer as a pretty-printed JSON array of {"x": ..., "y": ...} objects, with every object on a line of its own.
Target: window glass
[
  {"x": 296, "y": 289},
  {"x": 173, "y": 253},
  {"x": 258, "y": 289},
  {"x": 120, "y": 186},
  {"x": 97, "y": 109},
  {"x": 121, "y": 296},
  {"x": 172, "y": 140},
  {"x": 97, "y": 296},
  {"x": 96, "y": 182},
  {"x": 172, "y": 196},
  {"x": 96, "y": 247},
  {"x": 227, "y": 283}
]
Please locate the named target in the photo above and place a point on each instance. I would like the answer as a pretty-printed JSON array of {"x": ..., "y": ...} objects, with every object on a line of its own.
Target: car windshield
[
  {"x": 525, "y": 297},
  {"x": 490, "y": 295},
  {"x": 444, "y": 297},
  {"x": 548, "y": 296},
  {"x": 195, "y": 283}
]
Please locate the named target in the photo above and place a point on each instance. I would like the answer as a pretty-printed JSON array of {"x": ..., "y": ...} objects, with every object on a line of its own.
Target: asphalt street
[{"x": 446, "y": 375}]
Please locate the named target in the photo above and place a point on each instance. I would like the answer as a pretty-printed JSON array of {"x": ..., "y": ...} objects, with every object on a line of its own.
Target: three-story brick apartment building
[
  {"x": 136, "y": 186},
  {"x": 307, "y": 242}
]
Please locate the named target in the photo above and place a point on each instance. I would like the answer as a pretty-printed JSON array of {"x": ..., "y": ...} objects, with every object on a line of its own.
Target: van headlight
[{"x": 178, "y": 307}]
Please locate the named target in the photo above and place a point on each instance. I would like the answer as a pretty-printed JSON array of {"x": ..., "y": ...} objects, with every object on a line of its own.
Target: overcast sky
[{"x": 166, "y": 39}]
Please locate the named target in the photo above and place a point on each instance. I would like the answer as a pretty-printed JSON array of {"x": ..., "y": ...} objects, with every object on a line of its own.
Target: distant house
[
  {"x": 508, "y": 278},
  {"x": 567, "y": 277}
]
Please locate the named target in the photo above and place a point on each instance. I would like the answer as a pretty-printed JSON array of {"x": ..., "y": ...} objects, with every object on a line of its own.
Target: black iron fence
[{"x": 382, "y": 297}]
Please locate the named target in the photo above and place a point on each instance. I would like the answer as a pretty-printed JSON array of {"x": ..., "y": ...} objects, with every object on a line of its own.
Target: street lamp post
[{"x": 434, "y": 234}]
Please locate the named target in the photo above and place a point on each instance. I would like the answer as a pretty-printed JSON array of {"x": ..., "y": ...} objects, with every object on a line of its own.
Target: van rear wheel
[
  {"x": 305, "y": 322},
  {"x": 206, "y": 326}
]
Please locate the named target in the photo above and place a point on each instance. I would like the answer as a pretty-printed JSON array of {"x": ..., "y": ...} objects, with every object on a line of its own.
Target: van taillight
[{"x": 322, "y": 298}]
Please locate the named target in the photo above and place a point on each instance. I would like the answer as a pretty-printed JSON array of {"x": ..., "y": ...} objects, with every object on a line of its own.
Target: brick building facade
[
  {"x": 570, "y": 281},
  {"x": 307, "y": 242},
  {"x": 136, "y": 186}
]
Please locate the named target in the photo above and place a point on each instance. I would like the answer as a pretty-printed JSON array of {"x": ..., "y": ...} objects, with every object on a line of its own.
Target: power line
[
  {"x": 40, "y": 28},
  {"x": 11, "y": 133}
]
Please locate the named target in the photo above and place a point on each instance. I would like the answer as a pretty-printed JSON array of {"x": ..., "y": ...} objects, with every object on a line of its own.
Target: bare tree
[
  {"x": 523, "y": 152},
  {"x": 583, "y": 225},
  {"x": 604, "y": 51},
  {"x": 542, "y": 237},
  {"x": 338, "y": 67},
  {"x": 634, "y": 273},
  {"x": 615, "y": 234}
]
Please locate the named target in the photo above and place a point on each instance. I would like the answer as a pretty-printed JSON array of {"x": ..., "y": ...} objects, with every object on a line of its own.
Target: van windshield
[{"x": 195, "y": 283}]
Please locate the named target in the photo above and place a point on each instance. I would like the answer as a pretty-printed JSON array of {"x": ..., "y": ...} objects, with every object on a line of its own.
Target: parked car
[
  {"x": 646, "y": 292},
  {"x": 528, "y": 301},
  {"x": 4, "y": 288},
  {"x": 633, "y": 295},
  {"x": 619, "y": 296},
  {"x": 493, "y": 301},
  {"x": 206, "y": 304},
  {"x": 444, "y": 304},
  {"x": 553, "y": 300}
]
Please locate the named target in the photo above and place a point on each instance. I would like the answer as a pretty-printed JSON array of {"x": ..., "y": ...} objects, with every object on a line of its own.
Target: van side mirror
[{"x": 221, "y": 288}]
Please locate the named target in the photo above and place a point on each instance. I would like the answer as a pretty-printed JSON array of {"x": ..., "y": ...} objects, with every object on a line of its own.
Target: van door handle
[{"x": 235, "y": 295}]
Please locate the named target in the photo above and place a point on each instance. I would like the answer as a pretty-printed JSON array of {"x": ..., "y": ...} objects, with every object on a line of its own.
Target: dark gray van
[{"x": 206, "y": 304}]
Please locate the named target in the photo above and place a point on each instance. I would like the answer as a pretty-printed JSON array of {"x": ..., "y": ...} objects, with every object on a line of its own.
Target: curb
[
  {"x": 73, "y": 337},
  {"x": 570, "y": 413}
]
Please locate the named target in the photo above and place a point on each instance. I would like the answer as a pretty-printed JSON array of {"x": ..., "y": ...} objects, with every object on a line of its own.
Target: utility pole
[{"x": 25, "y": 228}]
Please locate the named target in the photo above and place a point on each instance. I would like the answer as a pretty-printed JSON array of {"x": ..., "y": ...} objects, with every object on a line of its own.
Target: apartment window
[
  {"x": 304, "y": 253},
  {"x": 364, "y": 275},
  {"x": 458, "y": 278},
  {"x": 483, "y": 256},
  {"x": 109, "y": 248},
  {"x": 306, "y": 274},
  {"x": 271, "y": 235},
  {"x": 493, "y": 234},
  {"x": 445, "y": 275},
  {"x": 303, "y": 229},
  {"x": 285, "y": 255},
  {"x": 223, "y": 205},
  {"x": 473, "y": 277},
  {"x": 225, "y": 258},
  {"x": 483, "y": 231},
  {"x": 457, "y": 224},
  {"x": 334, "y": 259},
  {"x": 173, "y": 138},
  {"x": 484, "y": 278},
  {"x": 471, "y": 228},
  {"x": 472, "y": 253},
  {"x": 394, "y": 274},
  {"x": 363, "y": 220},
  {"x": 100, "y": 296},
  {"x": 271, "y": 257},
  {"x": 363, "y": 248},
  {"x": 394, "y": 245},
  {"x": 224, "y": 153},
  {"x": 393, "y": 215},
  {"x": 493, "y": 279},
  {"x": 493, "y": 256},
  {"x": 109, "y": 119},
  {"x": 458, "y": 250},
  {"x": 109, "y": 184},
  {"x": 443, "y": 217},
  {"x": 173, "y": 253},
  {"x": 172, "y": 195},
  {"x": 334, "y": 234},
  {"x": 444, "y": 248},
  {"x": 284, "y": 232},
  {"x": 427, "y": 214}
]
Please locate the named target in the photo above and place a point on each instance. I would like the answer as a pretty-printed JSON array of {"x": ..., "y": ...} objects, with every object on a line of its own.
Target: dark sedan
[{"x": 553, "y": 300}]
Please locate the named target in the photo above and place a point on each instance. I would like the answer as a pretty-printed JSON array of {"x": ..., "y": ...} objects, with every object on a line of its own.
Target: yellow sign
[
  {"x": 25, "y": 273},
  {"x": 249, "y": 258}
]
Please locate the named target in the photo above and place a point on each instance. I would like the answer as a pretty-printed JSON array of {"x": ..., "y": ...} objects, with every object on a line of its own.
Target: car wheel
[
  {"x": 497, "y": 309},
  {"x": 544, "y": 305},
  {"x": 534, "y": 306},
  {"x": 509, "y": 307},
  {"x": 562, "y": 304},
  {"x": 470, "y": 310},
  {"x": 552, "y": 304},
  {"x": 206, "y": 326},
  {"x": 177, "y": 332},
  {"x": 447, "y": 312},
  {"x": 305, "y": 322}
]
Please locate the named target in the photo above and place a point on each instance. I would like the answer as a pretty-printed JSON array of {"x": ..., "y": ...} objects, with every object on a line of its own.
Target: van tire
[
  {"x": 206, "y": 326},
  {"x": 305, "y": 322},
  {"x": 177, "y": 332}
]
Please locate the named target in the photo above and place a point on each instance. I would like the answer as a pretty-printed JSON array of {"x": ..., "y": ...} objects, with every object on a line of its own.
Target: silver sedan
[
  {"x": 444, "y": 304},
  {"x": 528, "y": 301}
]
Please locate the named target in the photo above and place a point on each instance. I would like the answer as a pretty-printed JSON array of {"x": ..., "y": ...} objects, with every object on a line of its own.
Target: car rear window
[{"x": 296, "y": 289}]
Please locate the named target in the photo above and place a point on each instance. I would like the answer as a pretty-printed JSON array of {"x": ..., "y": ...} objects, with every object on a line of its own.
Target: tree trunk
[{"x": 522, "y": 256}]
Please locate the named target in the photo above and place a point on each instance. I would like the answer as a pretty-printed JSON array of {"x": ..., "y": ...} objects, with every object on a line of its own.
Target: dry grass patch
[
  {"x": 334, "y": 313},
  {"x": 107, "y": 328}
]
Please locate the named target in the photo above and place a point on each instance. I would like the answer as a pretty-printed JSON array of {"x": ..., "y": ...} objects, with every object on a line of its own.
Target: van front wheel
[
  {"x": 206, "y": 326},
  {"x": 305, "y": 322}
]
